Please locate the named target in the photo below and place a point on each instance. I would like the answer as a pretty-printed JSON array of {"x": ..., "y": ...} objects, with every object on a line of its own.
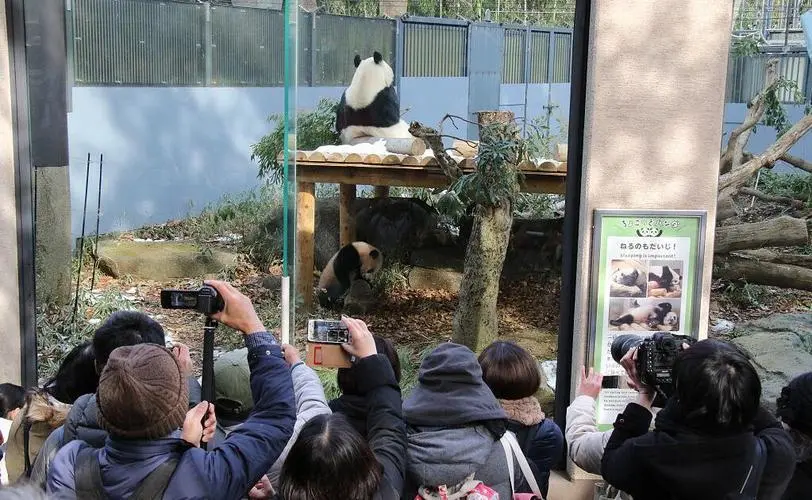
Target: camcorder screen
[
  {"x": 328, "y": 332},
  {"x": 176, "y": 299}
]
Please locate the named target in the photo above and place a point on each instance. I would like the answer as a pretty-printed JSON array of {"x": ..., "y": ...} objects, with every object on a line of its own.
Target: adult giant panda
[
  {"x": 649, "y": 314},
  {"x": 370, "y": 105},
  {"x": 358, "y": 260}
]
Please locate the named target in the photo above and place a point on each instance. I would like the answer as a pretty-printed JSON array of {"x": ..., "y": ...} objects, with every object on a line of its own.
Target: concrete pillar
[
  {"x": 654, "y": 107},
  {"x": 54, "y": 236},
  {"x": 10, "y": 348}
]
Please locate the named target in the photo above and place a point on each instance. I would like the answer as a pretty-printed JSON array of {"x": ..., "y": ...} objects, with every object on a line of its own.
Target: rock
[
  {"x": 548, "y": 368},
  {"x": 546, "y": 394},
  {"x": 162, "y": 260},
  {"x": 359, "y": 298},
  {"x": 424, "y": 278},
  {"x": 781, "y": 347},
  {"x": 272, "y": 282},
  {"x": 722, "y": 327},
  {"x": 398, "y": 225}
]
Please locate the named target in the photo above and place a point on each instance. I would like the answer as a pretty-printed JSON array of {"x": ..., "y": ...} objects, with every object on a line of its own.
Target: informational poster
[{"x": 646, "y": 275}]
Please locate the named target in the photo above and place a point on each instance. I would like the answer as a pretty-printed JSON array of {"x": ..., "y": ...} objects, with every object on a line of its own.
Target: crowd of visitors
[{"x": 124, "y": 418}]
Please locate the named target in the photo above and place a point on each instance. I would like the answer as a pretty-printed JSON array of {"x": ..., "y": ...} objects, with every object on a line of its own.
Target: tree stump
[{"x": 488, "y": 117}]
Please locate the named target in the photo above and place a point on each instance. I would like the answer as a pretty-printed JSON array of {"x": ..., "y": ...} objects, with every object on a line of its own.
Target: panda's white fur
[
  {"x": 649, "y": 313},
  {"x": 357, "y": 260},
  {"x": 370, "y": 106},
  {"x": 627, "y": 281}
]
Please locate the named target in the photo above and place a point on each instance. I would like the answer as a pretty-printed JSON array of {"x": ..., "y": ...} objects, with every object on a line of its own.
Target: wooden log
[
  {"x": 466, "y": 149},
  {"x": 779, "y": 232},
  {"x": 784, "y": 200},
  {"x": 765, "y": 255},
  {"x": 373, "y": 159},
  {"x": 354, "y": 158},
  {"x": 406, "y": 146},
  {"x": 315, "y": 156},
  {"x": 334, "y": 157},
  {"x": 561, "y": 151},
  {"x": 412, "y": 161},
  {"x": 390, "y": 159},
  {"x": 733, "y": 268},
  {"x": 345, "y": 216},
  {"x": 305, "y": 251}
]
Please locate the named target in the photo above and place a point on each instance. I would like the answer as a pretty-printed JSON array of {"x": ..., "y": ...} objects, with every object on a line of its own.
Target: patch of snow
[
  {"x": 94, "y": 321},
  {"x": 722, "y": 327},
  {"x": 378, "y": 147}
]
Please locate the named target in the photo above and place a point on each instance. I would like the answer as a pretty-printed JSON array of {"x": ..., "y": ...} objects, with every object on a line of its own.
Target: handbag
[{"x": 512, "y": 449}]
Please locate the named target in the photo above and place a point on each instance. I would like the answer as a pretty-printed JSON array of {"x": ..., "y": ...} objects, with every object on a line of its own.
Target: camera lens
[{"x": 622, "y": 344}]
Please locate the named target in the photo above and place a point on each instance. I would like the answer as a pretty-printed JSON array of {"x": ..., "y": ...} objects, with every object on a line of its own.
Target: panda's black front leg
[{"x": 626, "y": 319}]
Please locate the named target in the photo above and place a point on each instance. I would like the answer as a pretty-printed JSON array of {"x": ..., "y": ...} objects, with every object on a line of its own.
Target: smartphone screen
[{"x": 327, "y": 331}]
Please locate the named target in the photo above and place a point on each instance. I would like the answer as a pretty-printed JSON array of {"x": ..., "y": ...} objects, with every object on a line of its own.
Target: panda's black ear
[
  {"x": 377, "y": 57},
  {"x": 374, "y": 254},
  {"x": 357, "y": 60}
]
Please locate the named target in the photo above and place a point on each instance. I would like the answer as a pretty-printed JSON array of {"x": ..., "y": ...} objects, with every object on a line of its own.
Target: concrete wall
[
  {"x": 11, "y": 367},
  {"x": 655, "y": 99},
  {"x": 170, "y": 151}
]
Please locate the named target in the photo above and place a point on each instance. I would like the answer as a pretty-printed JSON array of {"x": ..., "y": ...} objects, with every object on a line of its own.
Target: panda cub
[
  {"x": 358, "y": 260},
  {"x": 370, "y": 106},
  {"x": 648, "y": 314}
]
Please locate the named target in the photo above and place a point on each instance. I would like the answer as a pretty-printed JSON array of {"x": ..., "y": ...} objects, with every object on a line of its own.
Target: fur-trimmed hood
[{"x": 43, "y": 408}]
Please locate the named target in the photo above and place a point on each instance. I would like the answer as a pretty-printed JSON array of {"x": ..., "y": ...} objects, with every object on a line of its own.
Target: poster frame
[{"x": 598, "y": 255}]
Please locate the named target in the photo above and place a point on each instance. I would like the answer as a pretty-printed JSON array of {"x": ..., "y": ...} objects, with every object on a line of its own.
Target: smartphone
[
  {"x": 324, "y": 339},
  {"x": 327, "y": 331}
]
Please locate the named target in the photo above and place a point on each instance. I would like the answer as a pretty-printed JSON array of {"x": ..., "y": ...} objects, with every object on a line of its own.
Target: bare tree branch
[
  {"x": 730, "y": 182},
  {"x": 433, "y": 141},
  {"x": 797, "y": 162},
  {"x": 733, "y": 155},
  {"x": 768, "y": 197}
]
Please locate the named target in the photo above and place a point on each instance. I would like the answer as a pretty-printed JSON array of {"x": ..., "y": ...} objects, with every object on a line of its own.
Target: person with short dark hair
[
  {"x": 12, "y": 398},
  {"x": 331, "y": 460},
  {"x": 707, "y": 438},
  {"x": 143, "y": 402},
  {"x": 795, "y": 411},
  {"x": 122, "y": 328},
  {"x": 351, "y": 403},
  {"x": 514, "y": 378}
]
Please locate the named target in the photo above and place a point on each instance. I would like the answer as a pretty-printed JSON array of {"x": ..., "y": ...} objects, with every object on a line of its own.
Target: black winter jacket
[
  {"x": 354, "y": 408},
  {"x": 675, "y": 462},
  {"x": 800, "y": 488}
]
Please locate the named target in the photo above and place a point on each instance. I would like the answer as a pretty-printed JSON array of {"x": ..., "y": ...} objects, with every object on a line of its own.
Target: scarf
[{"x": 526, "y": 411}]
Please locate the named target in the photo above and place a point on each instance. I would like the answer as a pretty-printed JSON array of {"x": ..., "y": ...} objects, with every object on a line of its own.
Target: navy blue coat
[{"x": 228, "y": 471}]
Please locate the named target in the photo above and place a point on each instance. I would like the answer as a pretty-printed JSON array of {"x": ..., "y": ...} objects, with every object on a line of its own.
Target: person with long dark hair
[
  {"x": 331, "y": 459},
  {"x": 712, "y": 439},
  {"x": 795, "y": 411}
]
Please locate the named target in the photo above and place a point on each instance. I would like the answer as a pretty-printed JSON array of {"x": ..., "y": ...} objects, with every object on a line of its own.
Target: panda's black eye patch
[
  {"x": 374, "y": 254},
  {"x": 377, "y": 57},
  {"x": 357, "y": 60}
]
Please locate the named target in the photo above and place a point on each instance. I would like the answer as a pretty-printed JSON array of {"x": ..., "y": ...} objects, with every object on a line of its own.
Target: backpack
[
  {"x": 749, "y": 487},
  {"x": 89, "y": 484},
  {"x": 473, "y": 489}
]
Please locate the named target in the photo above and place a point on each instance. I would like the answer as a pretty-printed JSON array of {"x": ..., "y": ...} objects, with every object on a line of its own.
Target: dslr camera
[
  {"x": 655, "y": 359},
  {"x": 206, "y": 300}
]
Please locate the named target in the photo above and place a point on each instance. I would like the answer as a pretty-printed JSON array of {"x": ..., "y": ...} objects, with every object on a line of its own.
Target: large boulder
[
  {"x": 781, "y": 347},
  {"x": 162, "y": 260}
]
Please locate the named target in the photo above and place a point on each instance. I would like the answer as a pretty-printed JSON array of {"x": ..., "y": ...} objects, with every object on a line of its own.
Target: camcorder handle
[{"x": 208, "y": 366}]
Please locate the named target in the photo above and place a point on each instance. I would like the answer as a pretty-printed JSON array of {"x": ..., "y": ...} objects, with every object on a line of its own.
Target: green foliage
[
  {"x": 797, "y": 186},
  {"x": 775, "y": 113},
  {"x": 497, "y": 177},
  {"x": 313, "y": 129},
  {"x": 746, "y": 45},
  {"x": 391, "y": 277},
  {"x": 747, "y": 295},
  {"x": 57, "y": 334},
  {"x": 540, "y": 141},
  {"x": 536, "y": 205}
]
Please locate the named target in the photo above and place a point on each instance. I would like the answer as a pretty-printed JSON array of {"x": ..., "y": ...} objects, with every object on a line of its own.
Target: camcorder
[
  {"x": 324, "y": 339},
  {"x": 656, "y": 356},
  {"x": 206, "y": 300}
]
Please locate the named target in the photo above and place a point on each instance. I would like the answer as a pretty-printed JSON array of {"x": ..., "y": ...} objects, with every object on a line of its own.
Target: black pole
[
  {"x": 98, "y": 216},
  {"x": 208, "y": 363},
  {"x": 572, "y": 212},
  {"x": 81, "y": 244}
]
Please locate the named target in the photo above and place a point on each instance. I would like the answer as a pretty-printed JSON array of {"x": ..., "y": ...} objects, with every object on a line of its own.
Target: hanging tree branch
[
  {"x": 733, "y": 155},
  {"x": 775, "y": 199}
]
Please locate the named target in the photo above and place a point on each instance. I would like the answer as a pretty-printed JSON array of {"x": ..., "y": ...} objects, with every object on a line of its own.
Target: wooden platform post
[
  {"x": 381, "y": 191},
  {"x": 305, "y": 255},
  {"x": 346, "y": 217}
]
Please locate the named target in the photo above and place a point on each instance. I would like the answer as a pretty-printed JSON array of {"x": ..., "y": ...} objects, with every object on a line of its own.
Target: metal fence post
[
  {"x": 314, "y": 49},
  {"x": 526, "y": 63},
  {"x": 207, "y": 44},
  {"x": 399, "y": 52},
  {"x": 551, "y": 57}
]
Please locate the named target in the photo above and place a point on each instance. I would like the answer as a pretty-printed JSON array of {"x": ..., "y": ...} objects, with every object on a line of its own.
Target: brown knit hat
[{"x": 142, "y": 393}]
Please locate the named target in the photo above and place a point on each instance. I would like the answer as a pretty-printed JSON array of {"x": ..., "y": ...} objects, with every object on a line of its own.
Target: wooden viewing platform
[{"x": 349, "y": 170}]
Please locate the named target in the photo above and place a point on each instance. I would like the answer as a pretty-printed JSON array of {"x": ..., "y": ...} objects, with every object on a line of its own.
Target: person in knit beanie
[
  {"x": 152, "y": 449},
  {"x": 142, "y": 393},
  {"x": 795, "y": 411}
]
